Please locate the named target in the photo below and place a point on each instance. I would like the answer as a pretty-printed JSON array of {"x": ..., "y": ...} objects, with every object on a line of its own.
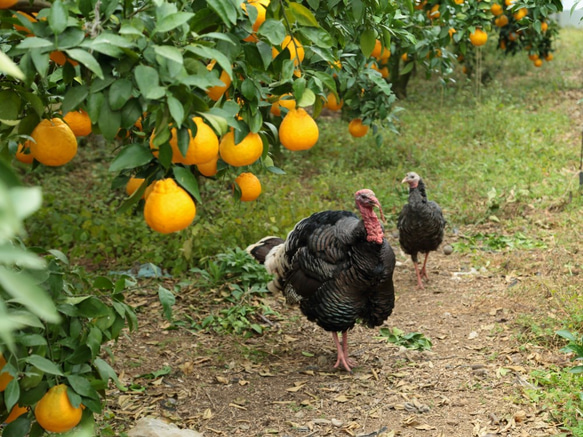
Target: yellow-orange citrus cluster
[
  {"x": 55, "y": 413},
  {"x": 298, "y": 130},
  {"x": 54, "y": 143},
  {"x": 249, "y": 185},
  {"x": 244, "y": 153}
]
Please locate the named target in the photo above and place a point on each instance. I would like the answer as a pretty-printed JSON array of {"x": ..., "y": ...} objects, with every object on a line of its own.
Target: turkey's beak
[{"x": 404, "y": 180}]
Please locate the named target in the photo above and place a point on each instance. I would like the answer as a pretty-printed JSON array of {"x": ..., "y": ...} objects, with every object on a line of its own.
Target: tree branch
[{"x": 27, "y": 6}]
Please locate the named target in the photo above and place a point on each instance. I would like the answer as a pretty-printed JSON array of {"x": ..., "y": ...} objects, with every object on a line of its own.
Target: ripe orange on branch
[
  {"x": 478, "y": 37},
  {"x": 496, "y": 9},
  {"x": 298, "y": 130},
  {"x": 169, "y": 208},
  {"x": 357, "y": 129},
  {"x": 244, "y": 153},
  {"x": 23, "y": 154},
  {"x": 54, "y": 411},
  {"x": 261, "y": 6},
  {"x": 217, "y": 91},
  {"x": 15, "y": 413},
  {"x": 79, "y": 122},
  {"x": 7, "y": 4},
  {"x": 54, "y": 143},
  {"x": 332, "y": 102},
  {"x": 5, "y": 377},
  {"x": 288, "y": 103},
  {"x": 249, "y": 185},
  {"x": 296, "y": 50},
  {"x": 201, "y": 148}
]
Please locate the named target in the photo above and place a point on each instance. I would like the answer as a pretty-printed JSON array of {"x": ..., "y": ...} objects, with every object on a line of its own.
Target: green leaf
[
  {"x": 19, "y": 428},
  {"x": 11, "y": 104},
  {"x": 10, "y": 255},
  {"x": 302, "y": 14},
  {"x": 167, "y": 300},
  {"x": 169, "y": 52},
  {"x": 226, "y": 10},
  {"x": 176, "y": 110},
  {"x": 85, "y": 428},
  {"x": 86, "y": 59},
  {"x": 26, "y": 200},
  {"x": 148, "y": 82},
  {"x": 134, "y": 155},
  {"x": 11, "y": 394},
  {"x": 367, "y": 42},
  {"x": 119, "y": 93},
  {"x": 357, "y": 9},
  {"x": 187, "y": 180},
  {"x": 82, "y": 386},
  {"x": 74, "y": 97},
  {"x": 9, "y": 67},
  {"x": 172, "y": 21},
  {"x": 109, "y": 121},
  {"x": 58, "y": 17},
  {"x": 273, "y": 30},
  {"x": 44, "y": 365},
  {"x": 106, "y": 372},
  {"x": 308, "y": 98},
  {"x": 93, "y": 308},
  {"x": 34, "y": 43},
  {"x": 24, "y": 290}
]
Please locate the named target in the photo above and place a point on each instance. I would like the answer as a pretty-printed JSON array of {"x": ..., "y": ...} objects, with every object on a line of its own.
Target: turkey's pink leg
[
  {"x": 340, "y": 350},
  {"x": 423, "y": 271},
  {"x": 350, "y": 362},
  {"x": 419, "y": 281}
]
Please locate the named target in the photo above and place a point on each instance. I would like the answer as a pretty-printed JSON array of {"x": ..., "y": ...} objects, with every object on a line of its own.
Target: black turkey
[
  {"x": 421, "y": 224},
  {"x": 337, "y": 266}
]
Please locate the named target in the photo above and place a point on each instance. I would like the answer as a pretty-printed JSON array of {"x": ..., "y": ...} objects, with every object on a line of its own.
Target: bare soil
[{"x": 471, "y": 383}]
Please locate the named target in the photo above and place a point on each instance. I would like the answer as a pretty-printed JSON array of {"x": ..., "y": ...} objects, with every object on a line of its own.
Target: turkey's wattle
[
  {"x": 337, "y": 267},
  {"x": 421, "y": 224}
]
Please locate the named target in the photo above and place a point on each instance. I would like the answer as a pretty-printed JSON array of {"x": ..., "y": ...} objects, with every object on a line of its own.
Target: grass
[{"x": 504, "y": 169}]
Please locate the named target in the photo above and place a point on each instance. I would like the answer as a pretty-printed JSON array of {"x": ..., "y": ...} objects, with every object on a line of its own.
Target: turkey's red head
[
  {"x": 366, "y": 201},
  {"x": 412, "y": 179}
]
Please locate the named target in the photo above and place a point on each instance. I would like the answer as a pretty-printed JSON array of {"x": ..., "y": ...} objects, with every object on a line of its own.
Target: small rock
[
  {"x": 519, "y": 416},
  {"x": 447, "y": 249},
  {"x": 321, "y": 422},
  {"x": 337, "y": 423},
  {"x": 152, "y": 427}
]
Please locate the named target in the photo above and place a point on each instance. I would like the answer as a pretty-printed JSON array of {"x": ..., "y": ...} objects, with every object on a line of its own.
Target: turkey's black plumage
[
  {"x": 421, "y": 224},
  {"x": 337, "y": 266}
]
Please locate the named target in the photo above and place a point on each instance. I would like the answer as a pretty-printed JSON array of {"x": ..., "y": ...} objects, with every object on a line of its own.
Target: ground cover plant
[{"x": 505, "y": 170}]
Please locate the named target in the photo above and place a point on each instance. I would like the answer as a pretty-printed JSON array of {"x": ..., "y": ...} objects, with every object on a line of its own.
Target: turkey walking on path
[
  {"x": 421, "y": 224},
  {"x": 337, "y": 266}
]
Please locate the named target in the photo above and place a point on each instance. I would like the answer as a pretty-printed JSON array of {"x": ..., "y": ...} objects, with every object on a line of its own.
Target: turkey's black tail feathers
[{"x": 261, "y": 249}]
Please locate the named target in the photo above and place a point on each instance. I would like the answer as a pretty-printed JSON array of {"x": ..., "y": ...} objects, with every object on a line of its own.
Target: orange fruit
[
  {"x": 23, "y": 154},
  {"x": 509, "y": 2},
  {"x": 533, "y": 57},
  {"x": 15, "y": 413},
  {"x": 538, "y": 62},
  {"x": 245, "y": 153},
  {"x": 478, "y": 37},
  {"x": 384, "y": 70},
  {"x": 434, "y": 12},
  {"x": 502, "y": 45},
  {"x": 298, "y": 130},
  {"x": 249, "y": 185},
  {"x": 405, "y": 57},
  {"x": 420, "y": 4},
  {"x": 202, "y": 148},
  {"x": 286, "y": 103},
  {"x": 79, "y": 122},
  {"x": 133, "y": 184},
  {"x": 217, "y": 91},
  {"x": 54, "y": 143},
  {"x": 169, "y": 208},
  {"x": 501, "y": 21},
  {"x": 520, "y": 14},
  {"x": 7, "y": 4},
  {"x": 513, "y": 36},
  {"x": 458, "y": 2},
  {"x": 261, "y": 6},
  {"x": 332, "y": 102},
  {"x": 379, "y": 52},
  {"x": 61, "y": 59},
  {"x": 209, "y": 168},
  {"x": 357, "y": 129},
  {"x": 149, "y": 189},
  {"x": 5, "y": 378},
  {"x": 295, "y": 48},
  {"x": 451, "y": 31},
  {"x": 549, "y": 57},
  {"x": 544, "y": 26},
  {"x": 496, "y": 9},
  {"x": 54, "y": 411}
]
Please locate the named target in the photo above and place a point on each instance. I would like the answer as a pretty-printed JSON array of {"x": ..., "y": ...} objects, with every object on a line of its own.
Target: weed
[
  {"x": 413, "y": 340},
  {"x": 496, "y": 242},
  {"x": 575, "y": 347}
]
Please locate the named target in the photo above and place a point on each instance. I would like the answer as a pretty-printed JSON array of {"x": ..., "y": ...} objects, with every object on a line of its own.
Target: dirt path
[{"x": 470, "y": 384}]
